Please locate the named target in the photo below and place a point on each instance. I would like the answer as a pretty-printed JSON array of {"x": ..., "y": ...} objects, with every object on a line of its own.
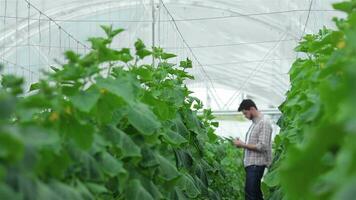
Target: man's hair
[{"x": 246, "y": 104}]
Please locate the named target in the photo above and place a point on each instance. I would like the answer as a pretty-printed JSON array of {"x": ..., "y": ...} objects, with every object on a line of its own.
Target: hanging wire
[
  {"x": 16, "y": 33},
  {"x": 4, "y": 22},
  {"x": 49, "y": 38},
  {"x": 39, "y": 26},
  {"x": 69, "y": 45},
  {"x": 77, "y": 48},
  {"x": 306, "y": 24},
  {"x": 55, "y": 22},
  {"x": 188, "y": 19},
  {"x": 5, "y": 12},
  {"x": 159, "y": 25},
  {"x": 193, "y": 54},
  {"x": 307, "y": 20},
  {"x": 39, "y": 39},
  {"x": 250, "y": 76},
  {"x": 19, "y": 66},
  {"x": 60, "y": 39},
  {"x": 28, "y": 40}
]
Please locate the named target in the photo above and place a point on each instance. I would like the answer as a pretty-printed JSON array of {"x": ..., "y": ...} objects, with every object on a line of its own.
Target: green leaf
[
  {"x": 271, "y": 179},
  {"x": 143, "y": 119},
  {"x": 186, "y": 184},
  {"x": 174, "y": 138},
  {"x": 12, "y": 83},
  {"x": 345, "y": 6},
  {"x": 52, "y": 162},
  {"x": 151, "y": 188},
  {"x": 34, "y": 86},
  {"x": 149, "y": 158},
  {"x": 84, "y": 191},
  {"x": 177, "y": 194},
  {"x": 64, "y": 191},
  {"x": 109, "y": 109},
  {"x": 2, "y": 172},
  {"x": 72, "y": 56},
  {"x": 55, "y": 69},
  {"x": 139, "y": 45},
  {"x": 124, "y": 55},
  {"x": 157, "y": 52},
  {"x": 144, "y": 73},
  {"x": 193, "y": 122},
  {"x": 45, "y": 192},
  {"x": 8, "y": 193},
  {"x": 215, "y": 124},
  {"x": 11, "y": 146},
  {"x": 180, "y": 127},
  {"x": 143, "y": 53},
  {"x": 135, "y": 191},
  {"x": 123, "y": 142},
  {"x": 166, "y": 56},
  {"x": 95, "y": 188},
  {"x": 112, "y": 166},
  {"x": 110, "y": 32},
  {"x": 99, "y": 43},
  {"x": 81, "y": 133},
  {"x": 184, "y": 158},
  {"x": 7, "y": 105},
  {"x": 212, "y": 136},
  {"x": 186, "y": 64},
  {"x": 86, "y": 100},
  {"x": 124, "y": 88},
  {"x": 167, "y": 171}
]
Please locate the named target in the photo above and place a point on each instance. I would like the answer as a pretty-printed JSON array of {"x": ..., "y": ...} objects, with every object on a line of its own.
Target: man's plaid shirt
[{"x": 259, "y": 134}]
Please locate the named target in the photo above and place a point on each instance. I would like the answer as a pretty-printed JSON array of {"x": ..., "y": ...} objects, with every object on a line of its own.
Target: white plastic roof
[{"x": 240, "y": 48}]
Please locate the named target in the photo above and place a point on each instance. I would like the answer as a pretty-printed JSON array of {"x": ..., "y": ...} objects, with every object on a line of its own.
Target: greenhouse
[{"x": 177, "y": 99}]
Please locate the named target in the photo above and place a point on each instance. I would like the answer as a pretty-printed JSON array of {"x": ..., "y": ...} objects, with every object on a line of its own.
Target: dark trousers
[{"x": 254, "y": 174}]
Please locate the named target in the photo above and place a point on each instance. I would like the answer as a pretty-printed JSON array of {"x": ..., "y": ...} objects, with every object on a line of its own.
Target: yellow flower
[
  {"x": 341, "y": 44},
  {"x": 322, "y": 65},
  {"x": 103, "y": 91},
  {"x": 68, "y": 110},
  {"x": 54, "y": 116}
]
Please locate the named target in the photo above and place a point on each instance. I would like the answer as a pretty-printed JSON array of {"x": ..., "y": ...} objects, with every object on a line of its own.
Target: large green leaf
[
  {"x": 111, "y": 165},
  {"x": 124, "y": 88},
  {"x": 177, "y": 194},
  {"x": 65, "y": 191},
  {"x": 109, "y": 109},
  {"x": 143, "y": 119},
  {"x": 79, "y": 132},
  {"x": 45, "y": 192},
  {"x": 86, "y": 100},
  {"x": 187, "y": 184},
  {"x": 7, "y": 106},
  {"x": 84, "y": 191},
  {"x": 135, "y": 191},
  {"x": 149, "y": 158},
  {"x": 183, "y": 158},
  {"x": 167, "y": 171},
  {"x": 8, "y": 193},
  {"x": 174, "y": 138},
  {"x": 11, "y": 146},
  {"x": 52, "y": 162},
  {"x": 96, "y": 189},
  {"x": 123, "y": 141}
]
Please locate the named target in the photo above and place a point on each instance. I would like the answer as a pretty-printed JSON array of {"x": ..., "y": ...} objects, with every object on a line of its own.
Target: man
[{"x": 257, "y": 148}]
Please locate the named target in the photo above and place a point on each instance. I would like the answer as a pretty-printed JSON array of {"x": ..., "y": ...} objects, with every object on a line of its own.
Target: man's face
[{"x": 247, "y": 114}]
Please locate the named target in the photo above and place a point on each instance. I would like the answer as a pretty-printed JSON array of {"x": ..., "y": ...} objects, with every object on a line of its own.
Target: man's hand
[{"x": 238, "y": 143}]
